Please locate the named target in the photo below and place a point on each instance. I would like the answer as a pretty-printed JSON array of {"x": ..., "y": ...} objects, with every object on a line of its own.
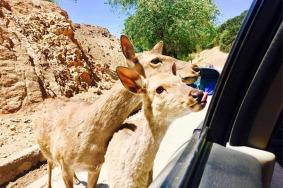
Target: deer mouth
[{"x": 200, "y": 101}]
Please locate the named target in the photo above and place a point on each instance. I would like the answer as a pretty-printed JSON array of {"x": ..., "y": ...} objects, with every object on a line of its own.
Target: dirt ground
[
  {"x": 28, "y": 178},
  {"x": 212, "y": 56},
  {"x": 16, "y": 133}
]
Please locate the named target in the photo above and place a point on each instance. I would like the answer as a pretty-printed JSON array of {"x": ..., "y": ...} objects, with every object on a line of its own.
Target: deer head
[
  {"x": 166, "y": 96},
  {"x": 154, "y": 62}
]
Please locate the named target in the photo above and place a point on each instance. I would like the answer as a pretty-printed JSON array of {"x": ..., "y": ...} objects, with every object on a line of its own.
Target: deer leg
[
  {"x": 67, "y": 175},
  {"x": 92, "y": 178},
  {"x": 49, "y": 168},
  {"x": 76, "y": 179},
  {"x": 150, "y": 177}
]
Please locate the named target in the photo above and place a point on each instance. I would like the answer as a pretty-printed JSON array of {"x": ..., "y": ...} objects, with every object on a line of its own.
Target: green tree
[
  {"x": 183, "y": 25},
  {"x": 228, "y": 31}
]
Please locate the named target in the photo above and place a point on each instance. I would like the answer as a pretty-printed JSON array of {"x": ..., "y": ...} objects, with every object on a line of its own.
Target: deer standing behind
[
  {"x": 131, "y": 151},
  {"x": 75, "y": 135}
]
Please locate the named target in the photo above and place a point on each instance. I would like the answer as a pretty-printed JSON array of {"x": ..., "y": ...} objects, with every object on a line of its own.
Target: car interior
[{"x": 240, "y": 143}]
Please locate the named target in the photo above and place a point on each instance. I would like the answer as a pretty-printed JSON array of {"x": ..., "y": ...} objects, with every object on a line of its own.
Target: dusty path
[
  {"x": 26, "y": 179},
  {"x": 16, "y": 133},
  {"x": 209, "y": 57}
]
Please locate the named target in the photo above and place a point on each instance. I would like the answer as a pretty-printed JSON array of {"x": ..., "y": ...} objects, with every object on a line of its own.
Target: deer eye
[
  {"x": 160, "y": 89},
  {"x": 156, "y": 61}
]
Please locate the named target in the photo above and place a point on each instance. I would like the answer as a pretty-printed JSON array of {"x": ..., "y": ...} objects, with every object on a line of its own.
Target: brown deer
[
  {"x": 131, "y": 151},
  {"x": 75, "y": 135}
]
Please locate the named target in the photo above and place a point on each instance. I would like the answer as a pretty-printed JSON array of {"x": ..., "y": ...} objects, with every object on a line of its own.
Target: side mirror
[{"x": 207, "y": 80}]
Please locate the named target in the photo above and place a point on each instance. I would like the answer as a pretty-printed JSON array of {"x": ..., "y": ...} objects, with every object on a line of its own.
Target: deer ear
[
  {"x": 131, "y": 79},
  {"x": 174, "y": 69},
  {"x": 129, "y": 53},
  {"x": 127, "y": 48},
  {"x": 158, "y": 48}
]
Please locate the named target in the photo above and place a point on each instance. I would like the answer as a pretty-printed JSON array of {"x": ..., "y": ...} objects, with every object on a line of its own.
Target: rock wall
[{"x": 43, "y": 54}]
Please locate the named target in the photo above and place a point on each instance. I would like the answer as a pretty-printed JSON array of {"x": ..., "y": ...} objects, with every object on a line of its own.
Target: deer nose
[
  {"x": 196, "y": 68},
  {"x": 197, "y": 95}
]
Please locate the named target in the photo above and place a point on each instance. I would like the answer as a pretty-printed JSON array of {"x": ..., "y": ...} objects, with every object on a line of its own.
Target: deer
[
  {"x": 75, "y": 135},
  {"x": 131, "y": 151}
]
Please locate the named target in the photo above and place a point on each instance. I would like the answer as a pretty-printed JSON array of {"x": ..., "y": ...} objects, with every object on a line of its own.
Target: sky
[{"x": 97, "y": 12}]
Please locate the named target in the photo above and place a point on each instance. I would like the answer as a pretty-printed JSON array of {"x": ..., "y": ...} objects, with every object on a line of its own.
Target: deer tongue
[{"x": 204, "y": 97}]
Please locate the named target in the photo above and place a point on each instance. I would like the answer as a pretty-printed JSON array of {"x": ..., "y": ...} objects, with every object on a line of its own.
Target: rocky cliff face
[{"x": 43, "y": 54}]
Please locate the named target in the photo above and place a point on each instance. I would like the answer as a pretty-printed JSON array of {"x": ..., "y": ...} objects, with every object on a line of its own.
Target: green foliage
[
  {"x": 229, "y": 30},
  {"x": 53, "y": 1},
  {"x": 184, "y": 25},
  {"x": 189, "y": 57},
  {"x": 123, "y": 3},
  {"x": 226, "y": 40}
]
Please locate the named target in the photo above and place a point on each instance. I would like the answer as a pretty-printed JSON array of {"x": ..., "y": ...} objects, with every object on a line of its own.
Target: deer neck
[
  {"x": 156, "y": 124},
  {"x": 110, "y": 111},
  {"x": 152, "y": 130}
]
